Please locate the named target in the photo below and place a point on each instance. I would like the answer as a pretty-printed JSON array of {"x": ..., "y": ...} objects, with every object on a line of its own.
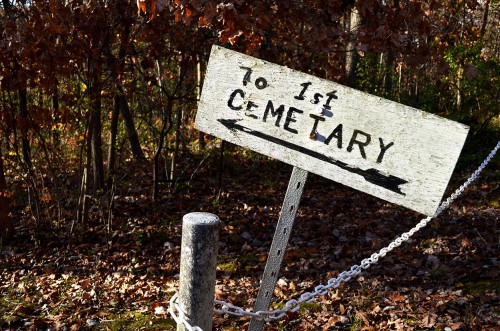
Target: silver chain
[
  {"x": 179, "y": 315},
  {"x": 294, "y": 304}
]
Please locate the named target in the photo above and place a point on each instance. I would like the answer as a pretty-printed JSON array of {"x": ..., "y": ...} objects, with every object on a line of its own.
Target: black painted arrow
[{"x": 371, "y": 175}]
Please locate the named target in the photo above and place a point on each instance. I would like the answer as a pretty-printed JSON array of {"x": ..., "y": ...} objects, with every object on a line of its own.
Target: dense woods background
[
  {"x": 89, "y": 85},
  {"x": 93, "y": 92}
]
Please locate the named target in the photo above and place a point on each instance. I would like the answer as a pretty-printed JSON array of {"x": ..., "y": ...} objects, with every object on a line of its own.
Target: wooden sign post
[{"x": 383, "y": 148}]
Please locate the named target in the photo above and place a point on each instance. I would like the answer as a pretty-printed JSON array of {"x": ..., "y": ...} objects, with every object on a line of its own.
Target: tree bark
[
  {"x": 458, "y": 91},
  {"x": 132, "y": 135},
  {"x": 221, "y": 168},
  {"x": 113, "y": 130},
  {"x": 485, "y": 18},
  {"x": 176, "y": 144},
  {"x": 55, "y": 112},
  {"x": 351, "y": 54},
  {"x": 117, "y": 68},
  {"x": 201, "y": 135},
  {"x": 128, "y": 119},
  {"x": 6, "y": 224},
  {"x": 97, "y": 165},
  {"x": 96, "y": 129},
  {"x": 167, "y": 120},
  {"x": 23, "y": 109},
  {"x": 83, "y": 201},
  {"x": 389, "y": 69},
  {"x": 7, "y": 6},
  {"x": 389, "y": 65}
]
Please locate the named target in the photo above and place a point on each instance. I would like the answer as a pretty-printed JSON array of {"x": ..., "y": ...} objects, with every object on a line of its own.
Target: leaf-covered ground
[{"x": 118, "y": 272}]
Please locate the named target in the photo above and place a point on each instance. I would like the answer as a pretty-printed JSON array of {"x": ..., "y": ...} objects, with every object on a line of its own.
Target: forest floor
[{"x": 119, "y": 272}]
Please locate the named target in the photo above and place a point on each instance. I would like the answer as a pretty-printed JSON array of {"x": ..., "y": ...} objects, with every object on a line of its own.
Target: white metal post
[{"x": 279, "y": 244}]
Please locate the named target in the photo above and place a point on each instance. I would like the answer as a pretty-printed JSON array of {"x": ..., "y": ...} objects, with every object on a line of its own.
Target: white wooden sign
[{"x": 394, "y": 152}]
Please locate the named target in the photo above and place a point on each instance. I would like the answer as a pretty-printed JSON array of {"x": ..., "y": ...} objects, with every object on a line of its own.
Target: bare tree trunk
[
  {"x": 97, "y": 165},
  {"x": 221, "y": 169},
  {"x": 485, "y": 18},
  {"x": 23, "y": 109},
  {"x": 156, "y": 161},
  {"x": 6, "y": 224},
  {"x": 95, "y": 125},
  {"x": 55, "y": 113},
  {"x": 389, "y": 69},
  {"x": 6, "y": 5},
  {"x": 33, "y": 191},
  {"x": 178, "y": 123},
  {"x": 112, "y": 140},
  {"x": 458, "y": 92},
  {"x": 84, "y": 201},
  {"x": 128, "y": 119},
  {"x": 166, "y": 120},
  {"x": 82, "y": 212},
  {"x": 120, "y": 98},
  {"x": 201, "y": 135},
  {"x": 83, "y": 169},
  {"x": 132, "y": 135},
  {"x": 351, "y": 54}
]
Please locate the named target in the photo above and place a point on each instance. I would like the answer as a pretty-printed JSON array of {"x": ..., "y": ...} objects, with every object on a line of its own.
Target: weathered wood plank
[{"x": 394, "y": 152}]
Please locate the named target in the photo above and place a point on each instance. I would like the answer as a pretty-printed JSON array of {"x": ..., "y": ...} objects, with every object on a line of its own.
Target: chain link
[
  {"x": 179, "y": 315},
  {"x": 294, "y": 304}
]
